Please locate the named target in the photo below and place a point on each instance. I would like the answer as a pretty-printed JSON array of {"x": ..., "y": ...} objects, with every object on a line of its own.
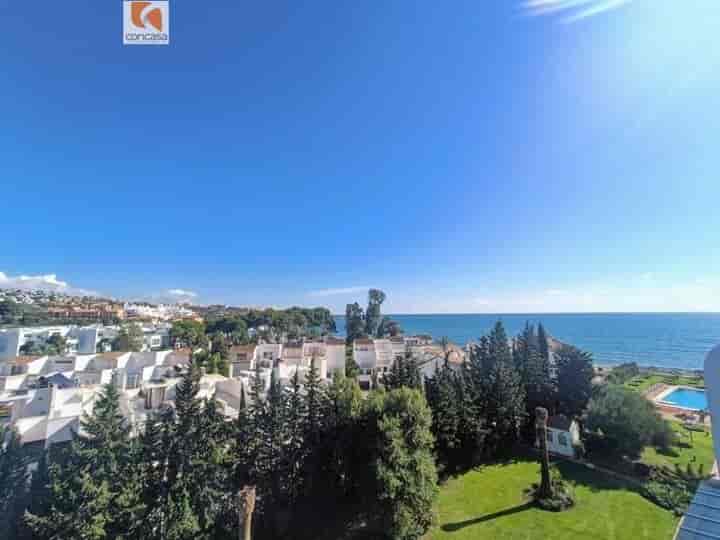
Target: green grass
[
  {"x": 643, "y": 382},
  {"x": 700, "y": 450},
  {"x": 489, "y": 503}
]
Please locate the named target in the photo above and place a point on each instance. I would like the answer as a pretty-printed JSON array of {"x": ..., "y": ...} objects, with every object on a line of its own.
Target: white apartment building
[
  {"x": 79, "y": 340},
  {"x": 375, "y": 357},
  {"x": 161, "y": 312}
]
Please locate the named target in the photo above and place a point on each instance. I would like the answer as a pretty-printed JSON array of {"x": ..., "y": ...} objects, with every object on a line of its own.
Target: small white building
[{"x": 563, "y": 435}]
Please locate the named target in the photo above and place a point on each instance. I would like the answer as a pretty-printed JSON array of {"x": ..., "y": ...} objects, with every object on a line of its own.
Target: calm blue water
[
  {"x": 658, "y": 339},
  {"x": 688, "y": 399}
]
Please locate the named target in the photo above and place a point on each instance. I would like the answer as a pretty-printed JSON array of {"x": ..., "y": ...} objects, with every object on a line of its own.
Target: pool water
[{"x": 687, "y": 398}]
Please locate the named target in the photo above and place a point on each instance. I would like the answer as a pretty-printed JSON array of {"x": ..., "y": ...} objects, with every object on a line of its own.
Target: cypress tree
[
  {"x": 296, "y": 416},
  {"x": 403, "y": 483},
  {"x": 271, "y": 469},
  {"x": 393, "y": 378},
  {"x": 506, "y": 397},
  {"x": 315, "y": 402},
  {"x": 575, "y": 374},
  {"x": 316, "y": 406},
  {"x": 210, "y": 475},
  {"x": 442, "y": 398},
  {"x": 535, "y": 377},
  {"x": 469, "y": 419},
  {"x": 543, "y": 347}
]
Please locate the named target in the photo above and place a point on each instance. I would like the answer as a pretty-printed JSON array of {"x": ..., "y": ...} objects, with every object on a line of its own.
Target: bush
[
  {"x": 628, "y": 420},
  {"x": 673, "y": 490},
  {"x": 664, "y": 437},
  {"x": 563, "y": 494},
  {"x": 623, "y": 373},
  {"x": 596, "y": 445}
]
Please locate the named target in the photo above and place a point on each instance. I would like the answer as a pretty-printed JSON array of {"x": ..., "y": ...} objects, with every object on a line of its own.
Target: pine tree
[
  {"x": 252, "y": 431},
  {"x": 469, "y": 419},
  {"x": 210, "y": 477},
  {"x": 413, "y": 376},
  {"x": 535, "y": 376},
  {"x": 373, "y": 316},
  {"x": 242, "y": 443},
  {"x": 344, "y": 404},
  {"x": 315, "y": 403},
  {"x": 271, "y": 458},
  {"x": 404, "y": 372},
  {"x": 354, "y": 322},
  {"x": 441, "y": 393},
  {"x": 40, "y": 494},
  {"x": 152, "y": 467},
  {"x": 296, "y": 418},
  {"x": 182, "y": 524},
  {"x": 94, "y": 490},
  {"x": 404, "y": 479},
  {"x": 480, "y": 371},
  {"x": 393, "y": 378},
  {"x": 575, "y": 374},
  {"x": 543, "y": 347},
  {"x": 505, "y": 401}
]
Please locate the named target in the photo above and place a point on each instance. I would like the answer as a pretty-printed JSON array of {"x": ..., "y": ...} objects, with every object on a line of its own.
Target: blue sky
[{"x": 464, "y": 157}]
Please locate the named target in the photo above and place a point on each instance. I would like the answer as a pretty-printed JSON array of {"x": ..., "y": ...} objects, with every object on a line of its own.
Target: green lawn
[
  {"x": 700, "y": 450},
  {"x": 643, "y": 382},
  {"x": 489, "y": 503}
]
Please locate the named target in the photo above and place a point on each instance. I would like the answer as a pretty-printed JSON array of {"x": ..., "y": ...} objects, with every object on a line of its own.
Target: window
[{"x": 562, "y": 439}]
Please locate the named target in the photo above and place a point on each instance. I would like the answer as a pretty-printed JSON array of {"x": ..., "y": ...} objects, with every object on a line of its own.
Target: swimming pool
[{"x": 686, "y": 398}]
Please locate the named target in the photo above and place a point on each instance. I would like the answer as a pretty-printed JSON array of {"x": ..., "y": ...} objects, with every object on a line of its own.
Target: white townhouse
[
  {"x": 375, "y": 357},
  {"x": 80, "y": 340},
  {"x": 334, "y": 355},
  {"x": 51, "y": 413}
]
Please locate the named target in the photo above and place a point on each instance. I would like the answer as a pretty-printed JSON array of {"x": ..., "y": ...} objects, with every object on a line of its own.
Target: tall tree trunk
[
  {"x": 541, "y": 416},
  {"x": 246, "y": 502}
]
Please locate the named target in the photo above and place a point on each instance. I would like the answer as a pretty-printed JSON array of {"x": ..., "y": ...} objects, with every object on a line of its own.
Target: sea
[{"x": 672, "y": 340}]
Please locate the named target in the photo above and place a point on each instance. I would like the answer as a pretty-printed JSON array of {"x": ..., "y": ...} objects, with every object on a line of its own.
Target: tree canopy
[{"x": 626, "y": 420}]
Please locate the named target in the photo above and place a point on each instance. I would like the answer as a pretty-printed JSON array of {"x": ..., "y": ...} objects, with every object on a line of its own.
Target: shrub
[
  {"x": 673, "y": 490},
  {"x": 623, "y": 373},
  {"x": 664, "y": 436},
  {"x": 628, "y": 420},
  {"x": 563, "y": 494}
]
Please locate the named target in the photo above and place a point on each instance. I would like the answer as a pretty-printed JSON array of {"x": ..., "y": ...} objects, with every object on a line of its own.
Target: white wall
[
  {"x": 87, "y": 340},
  {"x": 32, "y": 429},
  {"x": 335, "y": 355},
  {"x": 364, "y": 356},
  {"x": 10, "y": 343},
  {"x": 712, "y": 390},
  {"x": 61, "y": 429},
  {"x": 553, "y": 443}
]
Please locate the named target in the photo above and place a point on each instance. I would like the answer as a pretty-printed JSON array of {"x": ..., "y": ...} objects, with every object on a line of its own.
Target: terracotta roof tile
[{"x": 22, "y": 360}]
